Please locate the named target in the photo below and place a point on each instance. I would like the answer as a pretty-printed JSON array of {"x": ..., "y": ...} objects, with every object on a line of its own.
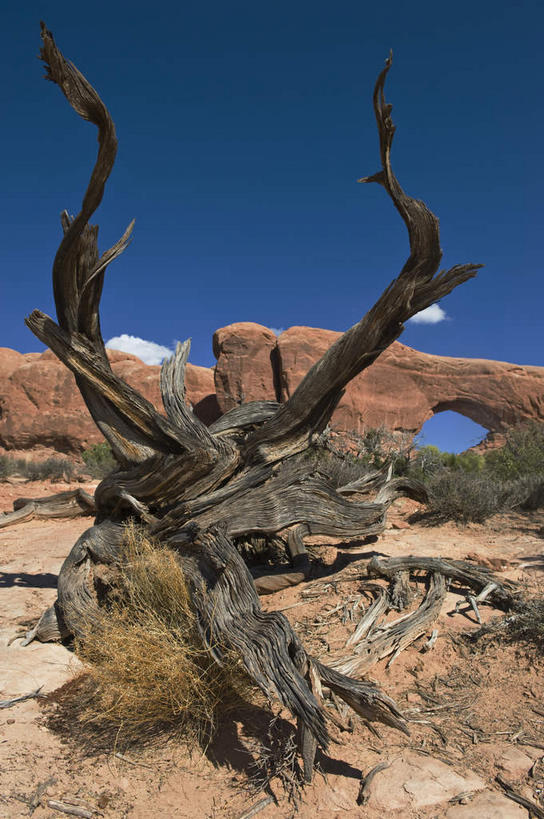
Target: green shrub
[
  {"x": 427, "y": 462},
  {"x": 472, "y": 487},
  {"x": 463, "y": 496},
  {"x": 523, "y": 453},
  {"x": 99, "y": 460}
]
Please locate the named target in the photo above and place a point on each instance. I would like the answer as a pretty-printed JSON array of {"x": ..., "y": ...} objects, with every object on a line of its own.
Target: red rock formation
[
  {"x": 244, "y": 370},
  {"x": 401, "y": 390},
  {"x": 40, "y": 405}
]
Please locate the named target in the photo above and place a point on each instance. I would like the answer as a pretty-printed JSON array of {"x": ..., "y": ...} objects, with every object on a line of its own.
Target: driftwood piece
[
  {"x": 68, "y": 504},
  {"x": 32, "y": 695},
  {"x": 364, "y": 787},
  {"x": 71, "y": 810},
  {"x": 528, "y": 804},
  {"x": 197, "y": 488},
  {"x": 256, "y": 808},
  {"x": 503, "y": 594},
  {"x": 370, "y": 617},
  {"x": 394, "y": 637}
]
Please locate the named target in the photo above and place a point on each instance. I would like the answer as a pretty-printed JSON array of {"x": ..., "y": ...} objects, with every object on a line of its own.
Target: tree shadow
[
  {"x": 248, "y": 739},
  {"x": 245, "y": 739},
  {"x": 32, "y": 581},
  {"x": 346, "y": 558}
]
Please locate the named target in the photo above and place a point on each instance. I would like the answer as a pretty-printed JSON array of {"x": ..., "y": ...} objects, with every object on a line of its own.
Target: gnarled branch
[{"x": 313, "y": 402}]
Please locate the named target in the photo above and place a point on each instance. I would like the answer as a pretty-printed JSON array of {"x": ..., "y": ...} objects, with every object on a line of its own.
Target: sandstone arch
[
  {"x": 474, "y": 410},
  {"x": 402, "y": 390}
]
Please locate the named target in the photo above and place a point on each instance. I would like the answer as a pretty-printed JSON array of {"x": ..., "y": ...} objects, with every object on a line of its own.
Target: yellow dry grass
[{"x": 147, "y": 669}]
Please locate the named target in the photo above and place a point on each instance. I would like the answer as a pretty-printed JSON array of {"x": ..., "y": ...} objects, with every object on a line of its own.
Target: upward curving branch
[
  {"x": 311, "y": 406},
  {"x": 133, "y": 427}
]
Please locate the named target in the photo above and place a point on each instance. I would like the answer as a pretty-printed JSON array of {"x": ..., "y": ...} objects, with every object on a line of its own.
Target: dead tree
[{"x": 200, "y": 488}]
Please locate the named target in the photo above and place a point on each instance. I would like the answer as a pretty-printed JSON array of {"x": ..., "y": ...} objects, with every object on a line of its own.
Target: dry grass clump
[
  {"x": 524, "y": 626},
  {"x": 148, "y": 670}
]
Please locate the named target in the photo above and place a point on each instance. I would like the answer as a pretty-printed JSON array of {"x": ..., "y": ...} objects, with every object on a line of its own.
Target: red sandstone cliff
[
  {"x": 401, "y": 390},
  {"x": 40, "y": 405}
]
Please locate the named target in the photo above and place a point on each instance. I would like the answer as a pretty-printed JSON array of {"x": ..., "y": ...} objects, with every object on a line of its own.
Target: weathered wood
[
  {"x": 503, "y": 596},
  {"x": 197, "y": 488},
  {"x": 244, "y": 416},
  {"x": 416, "y": 288},
  {"x": 68, "y": 504},
  {"x": 394, "y": 637}
]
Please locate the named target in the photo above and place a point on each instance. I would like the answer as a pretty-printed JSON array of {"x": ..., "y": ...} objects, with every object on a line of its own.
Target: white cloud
[
  {"x": 149, "y": 351},
  {"x": 431, "y": 315},
  {"x": 277, "y": 330}
]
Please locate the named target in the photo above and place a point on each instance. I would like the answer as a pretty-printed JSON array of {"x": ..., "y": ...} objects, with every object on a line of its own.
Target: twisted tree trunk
[{"x": 198, "y": 488}]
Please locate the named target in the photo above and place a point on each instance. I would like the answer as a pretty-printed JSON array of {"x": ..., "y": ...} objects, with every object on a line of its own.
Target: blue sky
[{"x": 243, "y": 127}]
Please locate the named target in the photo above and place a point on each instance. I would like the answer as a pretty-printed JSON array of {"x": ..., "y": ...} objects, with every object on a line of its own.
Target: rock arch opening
[{"x": 451, "y": 431}]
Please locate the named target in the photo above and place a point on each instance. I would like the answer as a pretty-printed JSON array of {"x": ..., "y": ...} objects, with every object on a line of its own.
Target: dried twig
[
  {"x": 131, "y": 761},
  {"x": 22, "y": 698},
  {"x": 257, "y": 807},
  {"x": 72, "y": 810},
  {"x": 363, "y": 795},
  {"x": 532, "y": 807}
]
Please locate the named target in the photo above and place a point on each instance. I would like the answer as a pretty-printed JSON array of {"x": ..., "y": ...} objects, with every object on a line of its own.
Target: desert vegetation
[
  {"x": 471, "y": 487},
  {"x": 53, "y": 468},
  {"x": 99, "y": 460}
]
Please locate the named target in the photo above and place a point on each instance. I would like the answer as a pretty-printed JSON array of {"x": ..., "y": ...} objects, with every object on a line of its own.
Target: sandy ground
[{"x": 478, "y": 711}]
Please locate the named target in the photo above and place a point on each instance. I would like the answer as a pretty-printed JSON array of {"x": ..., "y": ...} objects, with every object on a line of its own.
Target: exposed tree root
[{"x": 69, "y": 504}]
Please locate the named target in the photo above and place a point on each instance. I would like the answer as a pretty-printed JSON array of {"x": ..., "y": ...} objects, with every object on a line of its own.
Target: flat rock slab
[
  {"x": 515, "y": 763},
  {"x": 487, "y": 805},
  {"x": 414, "y": 782},
  {"x": 40, "y": 664}
]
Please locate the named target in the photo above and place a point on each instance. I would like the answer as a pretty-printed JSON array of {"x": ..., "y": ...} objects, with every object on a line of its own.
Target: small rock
[
  {"x": 400, "y": 524},
  {"x": 515, "y": 763},
  {"x": 10, "y": 721}
]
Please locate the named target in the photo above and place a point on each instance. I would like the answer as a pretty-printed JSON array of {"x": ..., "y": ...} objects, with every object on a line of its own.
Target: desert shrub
[
  {"x": 346, "y": 456},
  {"x": 471, "y": 487},
  {"x": 430, "y": 460},
  {"x": 5, "y": 467},
  {"x": 526, "y": 493},
  {"x": 99, "y": 460},
  {"x": 147, "y": 666},
  {"x": 522, "y": 454},
  {"x": 52, "y": 469},
  {"x": 525, "y": 626},
  {"x": 340, "y": 467},
  {"x": 464, "y": 461},
  {"x": 426, "y": 463},
  {"x": 55, "y": 469},
  {"x": 463, "y": 496}
]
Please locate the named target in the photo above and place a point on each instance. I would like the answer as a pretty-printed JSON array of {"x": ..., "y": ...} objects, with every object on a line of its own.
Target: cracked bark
[{"x": 197, "y": 488}]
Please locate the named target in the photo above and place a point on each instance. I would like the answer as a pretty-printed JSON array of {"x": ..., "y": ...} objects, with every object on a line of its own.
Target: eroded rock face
[
  {"x": 245, "y": 367},
  {"x": 40, "y": 405},
  {"x": 401, "y": 390}
]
